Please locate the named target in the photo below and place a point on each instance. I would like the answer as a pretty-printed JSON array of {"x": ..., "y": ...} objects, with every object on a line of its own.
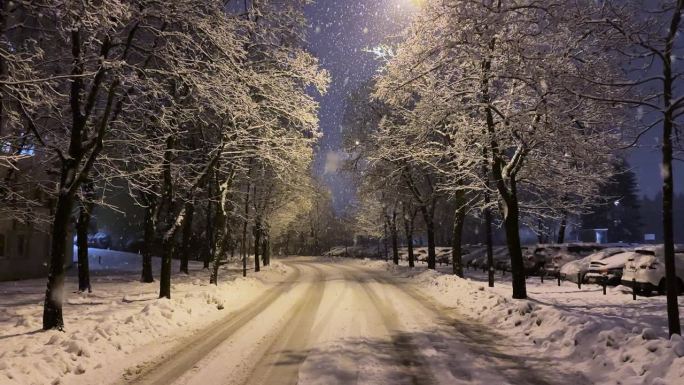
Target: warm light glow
[{"x": 407, "y": 4}]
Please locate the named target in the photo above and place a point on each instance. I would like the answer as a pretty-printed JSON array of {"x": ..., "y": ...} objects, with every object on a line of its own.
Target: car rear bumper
[{"x": 600, "y": 278}]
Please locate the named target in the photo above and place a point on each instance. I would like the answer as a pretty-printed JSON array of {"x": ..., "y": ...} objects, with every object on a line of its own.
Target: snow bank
[
  {"x": 109, "y": 324},
  {"x": 607, "y": 349}
]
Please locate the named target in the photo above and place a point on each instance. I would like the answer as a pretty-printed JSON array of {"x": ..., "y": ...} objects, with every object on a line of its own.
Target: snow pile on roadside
[
  {"x": 103, "y": 327},
  {"x": 605, "y": 348}
]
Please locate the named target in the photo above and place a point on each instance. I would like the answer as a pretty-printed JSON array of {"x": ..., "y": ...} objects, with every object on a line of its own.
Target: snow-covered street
[
  {"x": 345, "y": 323},
  {"x": 324, "y": 321}
]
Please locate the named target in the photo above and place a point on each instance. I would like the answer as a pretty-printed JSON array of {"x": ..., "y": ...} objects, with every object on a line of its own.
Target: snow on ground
[
  {"x": 121, "y": 322},
  {"x": 611, "y": 339}
]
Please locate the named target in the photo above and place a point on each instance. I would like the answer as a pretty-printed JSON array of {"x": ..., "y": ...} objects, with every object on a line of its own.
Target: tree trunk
[
  {"x": 488, "y": 240},
  {"x": 409, "y": 218},
  {"x": 168, "y": 245},
  {"x": 266, "y": 249},
  {"x": 408, "y": 229},
  {"x": 561, "y": 229},
  {"x": 512, "y": 227},
  {"x": 219, "y": 248},
  {"x": 148, "y": 244},
  {"x": 52, "y": 310},
  {"x": 209, "y": 231},
  {"x": 244, "y": 234},
  {"x": 432, "y": 255},
  {"x": 395, "y": 236},
  {"x": 430, "y": 229},
  {"x": 256, "y": 231},
  {"x": 384, "y": 240},
  {"x": 165, "y": 276},
  {"x": 456, "y": 240},
  {"x": 187, "y": 236},
  {"x": 167, "y": 204},
  {"x": 85, "y": 212},
  {"x": 671, "y": 281}
]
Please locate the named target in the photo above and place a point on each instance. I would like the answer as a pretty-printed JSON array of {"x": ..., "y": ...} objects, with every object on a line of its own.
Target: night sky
[{"x": 338, "y": 34}]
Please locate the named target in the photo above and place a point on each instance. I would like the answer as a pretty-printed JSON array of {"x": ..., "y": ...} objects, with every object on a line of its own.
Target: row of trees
[
  {"x": 515, "y": 107},
  {"x": 194, "y": 107}
]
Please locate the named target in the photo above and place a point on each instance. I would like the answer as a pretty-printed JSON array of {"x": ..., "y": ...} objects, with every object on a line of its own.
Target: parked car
[
  {"x": 502, "y": 261},
  {"x": 500, "y": 256},
  {"x": 570, "y": 270},
  {"x": 443, "y": 255},
  {"x": 135, "y": 244},
  {"x": 646, "y": 271},
  {"x": 100, "y": 240},
  {"x": 474, "y": 252},
  {"x": 548, "y": 259},
  {"x": 421, "y": 254},
  {"x": 336, "y": 251},
  {"x": 608, "y": 270}
]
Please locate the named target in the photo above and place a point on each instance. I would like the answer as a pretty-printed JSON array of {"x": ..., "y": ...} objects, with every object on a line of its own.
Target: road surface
[{"x": 343, "y": 323}]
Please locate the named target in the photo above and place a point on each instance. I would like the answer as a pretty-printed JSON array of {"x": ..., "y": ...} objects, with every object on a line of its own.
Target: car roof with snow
[{"x": 614, "y": 261}]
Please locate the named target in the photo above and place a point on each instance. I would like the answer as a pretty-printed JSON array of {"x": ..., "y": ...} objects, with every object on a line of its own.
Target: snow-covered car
[
  {"x": 533, "y": 258},
  {"x": 570, "y": 270},
  {"x": 553, "y": 264},
  {"x": 548, "y": 259},
  {"x": 443, "y": 255},
  {"x": 336, "y": 251},
  {"x": 500, "y": 256},
  {"x": 608, "y": 270},
  {"x": 421, "y": 254},
  {"x": 473, "y": 253},
  {"x": 135, "y": 244},
  {"x": 646, "y": 271},
  {"x": 502, "y": 262},
  {"x": 100, "y": 240},
  {"x": 353, "y": 252}
]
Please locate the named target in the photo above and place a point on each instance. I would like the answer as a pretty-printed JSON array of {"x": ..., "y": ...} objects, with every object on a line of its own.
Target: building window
[{"x": 2, "y": 246}]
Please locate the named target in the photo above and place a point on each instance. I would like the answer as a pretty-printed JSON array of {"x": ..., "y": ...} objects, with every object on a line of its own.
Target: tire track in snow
[
  {"x": 173, "y": 364},
  {"x": 404, "y": 348},
  {"x": 480, "y": 339},
  {"x": 285, "y": 354}
]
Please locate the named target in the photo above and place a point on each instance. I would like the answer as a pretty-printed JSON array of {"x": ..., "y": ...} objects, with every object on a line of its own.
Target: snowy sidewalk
[
  {"x": 611, "y": 339},
  {"x": 105, "y": 329}
]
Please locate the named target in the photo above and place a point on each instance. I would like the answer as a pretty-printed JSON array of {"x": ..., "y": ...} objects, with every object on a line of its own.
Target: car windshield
[{"x": 645, "y": 252}]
